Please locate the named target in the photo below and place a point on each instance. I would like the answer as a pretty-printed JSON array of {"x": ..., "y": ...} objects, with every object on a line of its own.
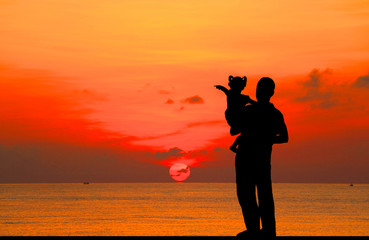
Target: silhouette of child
[{"x": 235, "y": 102}]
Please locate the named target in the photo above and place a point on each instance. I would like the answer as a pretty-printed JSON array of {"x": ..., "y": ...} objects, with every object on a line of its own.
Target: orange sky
[{"x": 115, "y": 91}]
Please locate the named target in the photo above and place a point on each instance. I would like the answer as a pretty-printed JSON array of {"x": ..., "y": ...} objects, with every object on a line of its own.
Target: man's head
[{"x": 265, "y": 89}]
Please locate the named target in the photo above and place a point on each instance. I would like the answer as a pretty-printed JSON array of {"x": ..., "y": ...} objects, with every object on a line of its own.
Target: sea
[{"x": 176, "y": 209}]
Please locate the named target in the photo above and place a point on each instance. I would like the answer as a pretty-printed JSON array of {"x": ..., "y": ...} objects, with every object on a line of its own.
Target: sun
[{"x": 179, "y": 172}]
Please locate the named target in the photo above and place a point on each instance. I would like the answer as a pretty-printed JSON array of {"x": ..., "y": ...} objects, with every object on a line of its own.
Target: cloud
[
  {"x": 37, "y": 104},
  {"x": 86, "y": 94},
  {"x": 362, "y": 82},
  {"x": 184, "y": 170},
  {"x": 206, "y": 123},
  {"x": 179, "y": 171},
  {"x": 173, "y": 152},
  {"x": 164, "y": 92},
  {"x": 60, "y": 162},
  {"x": 177, "y": 155},
  {"x": 315, "y": 93},
  {"x": 48, "y": 136},
  {"x": 194, "y": 100},
  {"x": 169, "y": 101}
]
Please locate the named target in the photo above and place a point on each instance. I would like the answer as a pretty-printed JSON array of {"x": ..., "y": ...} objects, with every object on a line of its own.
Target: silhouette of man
[{"x": 261, "y": 125}]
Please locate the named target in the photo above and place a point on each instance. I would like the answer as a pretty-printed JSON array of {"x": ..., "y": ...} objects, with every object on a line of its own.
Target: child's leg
[
  {"x": 229, "y": 116},
  {"x": 234, "y": 147}
]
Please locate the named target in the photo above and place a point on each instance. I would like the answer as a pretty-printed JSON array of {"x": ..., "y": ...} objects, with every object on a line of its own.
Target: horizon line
[{"x": 89, "y": 182}]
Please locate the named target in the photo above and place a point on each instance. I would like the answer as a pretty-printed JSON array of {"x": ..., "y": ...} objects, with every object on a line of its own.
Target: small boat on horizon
[{"x": 86, "y": 182}]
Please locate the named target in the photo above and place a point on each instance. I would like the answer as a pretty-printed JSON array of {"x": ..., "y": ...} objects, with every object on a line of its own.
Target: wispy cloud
[{"x": 206, "y": 123}]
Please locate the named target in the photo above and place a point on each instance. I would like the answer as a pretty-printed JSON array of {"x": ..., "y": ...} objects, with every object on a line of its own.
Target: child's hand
[{"x": 222, "y": 88}]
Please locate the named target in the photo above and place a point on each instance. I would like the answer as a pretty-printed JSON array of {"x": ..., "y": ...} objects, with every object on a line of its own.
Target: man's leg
[
  {"x": 266, "y": 207},
  {"x": 247, "y": 198}
]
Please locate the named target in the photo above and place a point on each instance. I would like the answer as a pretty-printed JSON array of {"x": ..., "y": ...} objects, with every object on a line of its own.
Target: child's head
[{"x": 237, "y": 83}]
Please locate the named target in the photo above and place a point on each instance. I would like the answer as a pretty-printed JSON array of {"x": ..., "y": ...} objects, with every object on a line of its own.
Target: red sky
[{"x": 109, "y": 91}]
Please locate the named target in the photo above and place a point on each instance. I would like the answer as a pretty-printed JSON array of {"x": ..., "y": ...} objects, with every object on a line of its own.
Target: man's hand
[
  {"x": 282, "y": 136},
  {"x": 249, "y": 100}
]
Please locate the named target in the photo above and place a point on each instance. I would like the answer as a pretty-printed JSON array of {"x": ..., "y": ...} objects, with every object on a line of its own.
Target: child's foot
[{"x": 234, "y": 148}]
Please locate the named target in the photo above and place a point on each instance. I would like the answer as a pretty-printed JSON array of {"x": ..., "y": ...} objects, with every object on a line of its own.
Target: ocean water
[{"x": 181, "y": 209}]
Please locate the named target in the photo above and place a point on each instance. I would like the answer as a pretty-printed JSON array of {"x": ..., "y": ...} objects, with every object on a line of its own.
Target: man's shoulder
[
  {"x": 263, "y": 108},
  {"x": 269, "y": 109},
  {"x": 277, "y": 112}
]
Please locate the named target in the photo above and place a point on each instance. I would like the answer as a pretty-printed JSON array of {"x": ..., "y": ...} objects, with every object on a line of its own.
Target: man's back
[{"x": 260, "y": 124}]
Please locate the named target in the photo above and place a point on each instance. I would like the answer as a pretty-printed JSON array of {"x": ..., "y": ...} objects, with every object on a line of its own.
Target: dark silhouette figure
[
  {"x": 235, "y": 101},
  {"x": 261, "y": 125}
]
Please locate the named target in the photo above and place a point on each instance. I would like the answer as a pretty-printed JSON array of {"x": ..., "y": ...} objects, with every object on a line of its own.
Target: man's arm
[{"x": 282, "y": 134}]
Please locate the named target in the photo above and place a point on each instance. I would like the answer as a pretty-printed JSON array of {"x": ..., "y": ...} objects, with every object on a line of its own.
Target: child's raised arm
[{"x": 222, "y": 88}]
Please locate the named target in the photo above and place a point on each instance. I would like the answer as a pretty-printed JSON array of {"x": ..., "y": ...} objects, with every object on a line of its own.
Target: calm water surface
[{"x": 190, "y": 209}]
